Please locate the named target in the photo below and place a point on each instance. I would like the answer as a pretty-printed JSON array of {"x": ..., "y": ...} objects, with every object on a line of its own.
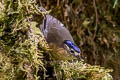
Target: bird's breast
[{"x": 60, "y": 53}]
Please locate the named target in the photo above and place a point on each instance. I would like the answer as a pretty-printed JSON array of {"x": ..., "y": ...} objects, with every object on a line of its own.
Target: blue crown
[{"x": 71, "y": 45}]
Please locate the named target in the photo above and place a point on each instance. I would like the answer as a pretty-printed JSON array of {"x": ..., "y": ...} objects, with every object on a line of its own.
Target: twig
[
  {"x": 40, "y": 2},
  {"x": 94, "y": 5},
  {"x": 58, "y": 1},
  {"x": 115, "y": 3},
  {"x": 96, "y": 14}
]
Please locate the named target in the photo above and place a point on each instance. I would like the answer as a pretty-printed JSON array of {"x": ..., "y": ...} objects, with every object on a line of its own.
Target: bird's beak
[{"x": 79, "y": 56}]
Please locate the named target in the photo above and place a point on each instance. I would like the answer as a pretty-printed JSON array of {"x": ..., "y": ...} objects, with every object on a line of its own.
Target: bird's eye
[
  {"x": 72, "y": 51},
  {"x": 69, "y": 49}
]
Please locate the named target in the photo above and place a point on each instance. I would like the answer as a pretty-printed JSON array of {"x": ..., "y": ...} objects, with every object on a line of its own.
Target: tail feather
[{"x": 42, "y": 9}]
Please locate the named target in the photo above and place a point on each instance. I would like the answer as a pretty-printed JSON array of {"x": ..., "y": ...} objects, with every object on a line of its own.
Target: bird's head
[{"x": 72, "y": 48}]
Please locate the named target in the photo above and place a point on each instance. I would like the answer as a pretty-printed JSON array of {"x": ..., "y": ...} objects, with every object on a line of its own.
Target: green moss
[{"x": 80, "y": 70}]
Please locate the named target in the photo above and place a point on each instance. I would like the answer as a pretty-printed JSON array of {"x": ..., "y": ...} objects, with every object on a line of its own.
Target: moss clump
[
  {"x": 19, "y": 40},
  {"x": 79, "y": 70}
]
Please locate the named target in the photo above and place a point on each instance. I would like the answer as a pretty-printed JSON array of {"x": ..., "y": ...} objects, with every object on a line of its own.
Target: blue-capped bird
[{"x": 59, "y": 38}]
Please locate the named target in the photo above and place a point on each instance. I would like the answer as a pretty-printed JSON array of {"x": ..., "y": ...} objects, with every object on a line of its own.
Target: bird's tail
[{"x": 42, "y": 9}]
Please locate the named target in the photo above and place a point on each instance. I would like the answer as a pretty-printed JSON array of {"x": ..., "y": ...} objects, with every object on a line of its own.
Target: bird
[{"x": 59, "y": 38}]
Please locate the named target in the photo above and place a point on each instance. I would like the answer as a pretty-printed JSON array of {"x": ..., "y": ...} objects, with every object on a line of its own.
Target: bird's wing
[{"x": 58, "y": 33}]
